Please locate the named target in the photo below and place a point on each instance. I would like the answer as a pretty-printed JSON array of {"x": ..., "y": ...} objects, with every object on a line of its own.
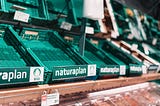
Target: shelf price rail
[{"x": 23, "y": 94}]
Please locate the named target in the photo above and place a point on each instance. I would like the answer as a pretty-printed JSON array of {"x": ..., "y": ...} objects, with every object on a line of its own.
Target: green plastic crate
[
  {"x": 46, "y": 49},
  {"x": 8, "y": 56},
  {"x": 63, "y": 10},
  {"x": 127, "y": 58},
  {"x": 150, "y": 26},
  {"x": 121, "y": 18},
  {"x": 14, "y": 70},
  {"x": 95, "y": 55},
  {"x": 36, "y": 8},
  {"x": 153, "y": 52}
]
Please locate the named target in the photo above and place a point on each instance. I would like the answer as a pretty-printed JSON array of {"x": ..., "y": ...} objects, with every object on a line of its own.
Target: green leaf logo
[{"x": 37, "y": 72}]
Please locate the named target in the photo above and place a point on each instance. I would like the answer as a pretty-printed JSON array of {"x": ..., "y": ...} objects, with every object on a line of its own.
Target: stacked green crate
[
  {"x": 45, "y": 48},
  {"x": 151, "y": 28},
  {"x": 56, "y": 7},
  {"x": 107, "y": 64},
  {"x": 134, "y": 66},
  {"x": 62, "y": 10},
  {"x": 70, "y": 11},
  {"x": 140, "y": 28},
  {"x": 36, "y": 8},
  {"x": 14, "y": 70},
  {"x": 150, "y": 53},
  {"x": 8, "y": 56},
  {"x": 128, "y": 22},
  {"x": 104, "y": 60},
  {"x": 134, "y": 25},
  {"x": 121, "y": 18},
  {"x": 148, "y": 50}
]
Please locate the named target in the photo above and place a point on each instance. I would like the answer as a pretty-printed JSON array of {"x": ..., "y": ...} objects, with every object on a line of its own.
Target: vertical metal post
[{"x": 83, "y": 37}]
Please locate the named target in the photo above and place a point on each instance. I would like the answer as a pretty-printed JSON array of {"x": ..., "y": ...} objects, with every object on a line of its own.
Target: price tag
[
  {"x": 122, "y": 70},
  {"x": 21, "y": 16},
  {"x": 144, "y": 69},
  {"x": 114, "y": 34},
  {"x": 53, "y": 99},
  {"x": 66, "y": 26},
  {"x": 78, "y": 104},
  {"x": 89, "y": 30},
  {"x": 154, "y": 41},
  {"x": 130, "y": 36},
  {"x": 50, "y": 99},
  {"x": 146, "y": 49},
  {"x": 134, "y": 47},
  {"x": 91, "y": 70},
  {"x": 44, "y": 99}
]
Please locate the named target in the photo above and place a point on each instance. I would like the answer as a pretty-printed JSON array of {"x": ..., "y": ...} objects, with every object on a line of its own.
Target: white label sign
[
  {"x": 154, "y": 41},
  {"x": 21, "y": 16},
  {"x": 122, "y": 70},
  {"x": 91, "y": 70},
  {"x": 114, "y": 34},
  {"x": 93, "y": 9},
  {"x": 89, "y": 30},
  {"x": 144, "y": 69},
  {"x": 53, "y": 99},
  {"x": 66, "y": 26},
  {"x": 134, "y": 47},
  {"x": 36, "y": 74}
]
